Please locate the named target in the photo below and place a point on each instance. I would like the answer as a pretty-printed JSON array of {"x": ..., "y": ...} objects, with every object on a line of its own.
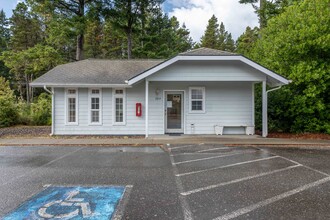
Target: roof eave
[{"x": 78, "y": 85}]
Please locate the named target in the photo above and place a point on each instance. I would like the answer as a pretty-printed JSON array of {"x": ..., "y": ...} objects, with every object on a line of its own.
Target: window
[
  {"x": 95, "y": 106},
  {"x": 71, "y": 107},
  {"x": 119, "y": 108},
  {"x": 197, "y": 99}
]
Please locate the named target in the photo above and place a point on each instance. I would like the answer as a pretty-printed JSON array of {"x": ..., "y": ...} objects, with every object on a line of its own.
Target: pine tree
[
  {"x": 246, "y": 41},
  {"x": 210, "y": 38}
]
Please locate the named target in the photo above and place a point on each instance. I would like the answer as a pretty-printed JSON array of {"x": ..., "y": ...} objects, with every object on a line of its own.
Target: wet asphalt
[{"x": 184, "y": 182}]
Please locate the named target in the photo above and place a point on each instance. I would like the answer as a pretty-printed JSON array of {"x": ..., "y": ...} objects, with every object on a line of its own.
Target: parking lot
[
  {"x": 198, "y": 181},
  {"x": 218, "y": 182}
]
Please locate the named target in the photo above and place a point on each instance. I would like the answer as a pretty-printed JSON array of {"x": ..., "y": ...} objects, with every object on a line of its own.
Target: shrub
[
  {"x": 8, "y": 110},
  {"x": 41, "y": 111}
]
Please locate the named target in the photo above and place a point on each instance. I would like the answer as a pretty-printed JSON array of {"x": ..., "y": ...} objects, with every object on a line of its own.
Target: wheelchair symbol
[{"x": 69, "y": 201}]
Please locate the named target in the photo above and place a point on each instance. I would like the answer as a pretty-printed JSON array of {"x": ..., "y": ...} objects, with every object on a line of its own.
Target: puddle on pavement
[{"x": 139, "y": 149}]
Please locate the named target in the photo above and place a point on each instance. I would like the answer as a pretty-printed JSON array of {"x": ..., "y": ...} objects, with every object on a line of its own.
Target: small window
[
  {"x": 119, "y": 108},
  {"x": 197, "y": 99},
  {"x": 95, "y": 107},
  {"x": 71, "y": 107}
]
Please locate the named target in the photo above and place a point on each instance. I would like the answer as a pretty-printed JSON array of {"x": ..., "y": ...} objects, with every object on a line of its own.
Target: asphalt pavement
[{"x": 194, "y": 181}]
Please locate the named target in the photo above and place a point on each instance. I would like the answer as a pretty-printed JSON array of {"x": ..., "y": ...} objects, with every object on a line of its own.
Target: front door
[{"x": 174, "y": 112}]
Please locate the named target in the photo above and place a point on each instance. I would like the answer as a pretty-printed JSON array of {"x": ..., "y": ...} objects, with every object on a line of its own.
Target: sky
[{"x": 195, "y": 14}]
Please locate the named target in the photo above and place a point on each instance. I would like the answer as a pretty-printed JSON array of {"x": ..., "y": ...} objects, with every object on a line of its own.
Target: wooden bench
[{"x": 218, "y": 129}]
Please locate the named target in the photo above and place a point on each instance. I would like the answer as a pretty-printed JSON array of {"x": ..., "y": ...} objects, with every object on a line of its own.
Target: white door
[{"x": 174, "y": 112}]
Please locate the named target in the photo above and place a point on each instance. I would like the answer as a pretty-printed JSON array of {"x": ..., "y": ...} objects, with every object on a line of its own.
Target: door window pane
[
  {"x": 119, "y": 110},
  {"x": 72, "y": 109}
]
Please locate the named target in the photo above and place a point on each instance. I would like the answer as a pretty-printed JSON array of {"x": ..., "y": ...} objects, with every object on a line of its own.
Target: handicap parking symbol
[{"x": 70, "y": 203}]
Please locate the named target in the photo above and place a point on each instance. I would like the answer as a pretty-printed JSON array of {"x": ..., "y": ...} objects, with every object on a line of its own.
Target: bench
[{"x": 218, "y": 129}]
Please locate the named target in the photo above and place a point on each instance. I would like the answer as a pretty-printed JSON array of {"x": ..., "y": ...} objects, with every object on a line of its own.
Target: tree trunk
[
  {"x": 129, "y": 29},
  {"x": 80, "y": 45},
  {"x": 262, "y": 12},
  {"x": 129, "y": 44},
  {"x": 80, "y": 37}
]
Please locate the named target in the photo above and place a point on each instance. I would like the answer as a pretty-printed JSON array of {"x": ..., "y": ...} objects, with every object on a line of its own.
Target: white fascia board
[
  {"x": 55, "y": 85},
  {"x": 265, "y": 70},
  {"x": 243, "y": 59}
]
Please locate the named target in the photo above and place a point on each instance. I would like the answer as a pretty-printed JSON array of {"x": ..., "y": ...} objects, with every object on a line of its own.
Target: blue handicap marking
[{"x": 70, "y": 203}]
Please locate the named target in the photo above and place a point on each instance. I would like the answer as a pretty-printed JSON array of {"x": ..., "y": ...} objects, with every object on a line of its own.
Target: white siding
[
  {"x": 226, "y": 103},
  {"x": 134, "y": 125},
  {"x": 208, "y": 71}
]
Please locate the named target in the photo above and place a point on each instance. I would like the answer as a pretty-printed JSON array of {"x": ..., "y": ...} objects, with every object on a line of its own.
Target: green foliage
[
  {"x": 41, "y": 111},
  {"x": 216, "y": 36},
  {"x": 296, "y": 44},
  {"x": 8, "y": 111},
  {"x": 245, "y": 42}
]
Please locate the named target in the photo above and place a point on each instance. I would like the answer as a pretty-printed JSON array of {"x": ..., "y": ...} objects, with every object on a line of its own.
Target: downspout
[
  {"x": 53, "y": 107},
  {"x": 271, "y": 90}
]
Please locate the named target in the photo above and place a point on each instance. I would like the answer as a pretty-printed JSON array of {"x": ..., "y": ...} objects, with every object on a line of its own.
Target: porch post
[
  {"x": 147, "y": 108},
  {"x": 264, "y": 110}
]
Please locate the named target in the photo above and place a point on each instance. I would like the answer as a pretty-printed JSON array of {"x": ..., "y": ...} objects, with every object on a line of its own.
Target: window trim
[
  {"x": 203, "y": 100},
  {"x": 67, "y": 96},
  {"x": 114, "y": 96},
  {"x": 90, "y": 96}
]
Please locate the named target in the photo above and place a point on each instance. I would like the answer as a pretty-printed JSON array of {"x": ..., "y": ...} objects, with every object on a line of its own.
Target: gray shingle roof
[
  {"x": 207, "y": 52},
  {"x": 94, "y": 71}
]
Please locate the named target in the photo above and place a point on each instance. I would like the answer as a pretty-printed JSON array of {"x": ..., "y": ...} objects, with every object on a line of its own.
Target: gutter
[
  {"x": 53, "y": 108},
  {"x": 271, "y": 90}
]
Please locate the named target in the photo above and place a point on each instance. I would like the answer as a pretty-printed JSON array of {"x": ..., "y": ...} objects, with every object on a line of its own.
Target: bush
[
  {"x": 41, "y": 111},
  {"x": 8, "y": 110}
]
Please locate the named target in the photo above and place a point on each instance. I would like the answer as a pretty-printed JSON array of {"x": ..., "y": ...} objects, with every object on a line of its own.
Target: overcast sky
[{"x": 195, "y": 14}]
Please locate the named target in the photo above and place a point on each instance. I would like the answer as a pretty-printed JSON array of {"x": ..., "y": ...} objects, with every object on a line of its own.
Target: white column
[
  {"x": 264, "y": 110},
  {"x": 53, "y": 112},
  {"x": 147, "y": 108}
]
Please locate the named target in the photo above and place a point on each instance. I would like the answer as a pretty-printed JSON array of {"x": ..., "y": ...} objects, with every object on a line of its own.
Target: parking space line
[
  {"x": 225, "y": 166},
  {"x": 173, "y": 148},
  {"x": 46, "y": 164},
  {"x": 208, "y": 158},
  {"x": 310, "y": 168},
  {"x": 271, "y": 200},
  {"x": 187, "y": 214},
  {"x": 122, "y": 203},
  {"x": 213, "y": 149},
  {"x": 238, "y": 180}
]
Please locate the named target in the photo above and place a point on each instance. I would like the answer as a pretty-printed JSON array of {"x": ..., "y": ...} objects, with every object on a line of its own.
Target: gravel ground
[{"x": 25, "y": 131}]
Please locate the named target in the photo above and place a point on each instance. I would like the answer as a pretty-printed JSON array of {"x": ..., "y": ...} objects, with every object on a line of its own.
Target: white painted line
[
  {"x": 118, "y": 215},
  {"x": 258, "y": 205},
  {"x": 292, "y": 161},
  {"x": 183, "y": 201},
  {"x": 172, "y": 148},
  {"x": 229, "y": 165},
  {"x": 208, "y": 158},
  {"x": 213, "y": 149},
  {"x": 238, "y": 180}
]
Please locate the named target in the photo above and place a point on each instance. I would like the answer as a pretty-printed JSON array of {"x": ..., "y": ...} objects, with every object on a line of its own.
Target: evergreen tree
[
  {"x": 210, "y": 38},
  {"x": 245, "y": 42},
  {"x": 25, "y": 28},
  {"x": 216, "y": 36},
  {"x": 4, "y": 40}
]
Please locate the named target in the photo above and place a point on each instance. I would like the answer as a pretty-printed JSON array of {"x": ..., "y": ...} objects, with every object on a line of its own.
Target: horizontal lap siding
[
  {"x": 134, "y": 125},
  {"x": 208, "y": 71},
  {"x": 226, "y": 103}
]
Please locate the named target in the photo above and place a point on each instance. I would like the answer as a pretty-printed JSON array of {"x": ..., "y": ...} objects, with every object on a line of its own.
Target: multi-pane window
[
  {"x": 119, "y": 106},
  {"x": 95, "y": 106},
  {"x": 71, "y": 106},
  {"x": 197, "y": 99}
]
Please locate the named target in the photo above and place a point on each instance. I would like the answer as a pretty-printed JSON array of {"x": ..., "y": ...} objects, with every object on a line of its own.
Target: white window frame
[
  {"x": 114, "y": 96},
  {"x": 203, "y": 100},
  {"x": 67, "y": 96},
  {"x": 90, "y": 96}
]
